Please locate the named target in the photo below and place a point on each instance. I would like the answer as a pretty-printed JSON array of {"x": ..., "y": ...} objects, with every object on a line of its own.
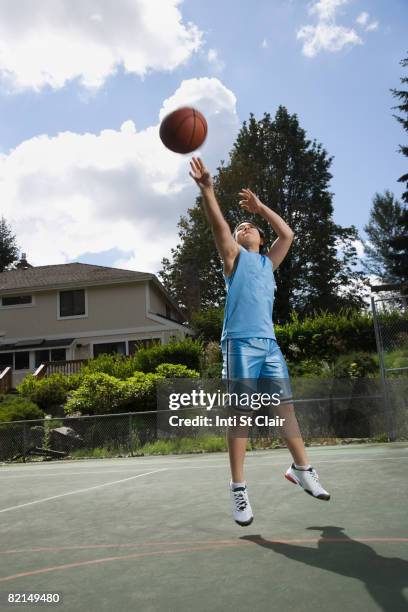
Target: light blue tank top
[{"x": 250, "y": 294}]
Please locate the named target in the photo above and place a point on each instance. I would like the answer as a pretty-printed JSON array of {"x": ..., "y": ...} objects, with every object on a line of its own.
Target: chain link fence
[
  {"x": 390, "y": 314},
  {"x": 355, "y": 409}
]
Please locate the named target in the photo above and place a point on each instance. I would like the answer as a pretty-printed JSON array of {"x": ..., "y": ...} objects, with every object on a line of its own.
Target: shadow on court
[{"x": 383, "y": 577}]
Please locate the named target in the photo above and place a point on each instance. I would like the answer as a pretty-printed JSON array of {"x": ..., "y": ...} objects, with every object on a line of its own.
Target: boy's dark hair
[{"x": 263, "y": 248}]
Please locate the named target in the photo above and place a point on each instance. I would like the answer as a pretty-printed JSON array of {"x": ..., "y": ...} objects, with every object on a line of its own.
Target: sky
[{"x": 84, "y": 85}]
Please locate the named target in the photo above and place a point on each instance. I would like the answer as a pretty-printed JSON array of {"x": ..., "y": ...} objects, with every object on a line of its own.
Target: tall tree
[
  {"x": 399, "y": 248},
  {"x": 8, "y": 247},
  {"x": 402, "y": 96},
  {"x": 386, "y": 233},
  {"x": 290, "y": 174}
]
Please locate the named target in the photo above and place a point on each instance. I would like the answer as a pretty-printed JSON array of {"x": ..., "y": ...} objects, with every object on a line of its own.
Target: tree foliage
[
  {"x": 402, "y": 97},
  {"x": 8, "y": 246},
  {"x": 386, "y": 251}
]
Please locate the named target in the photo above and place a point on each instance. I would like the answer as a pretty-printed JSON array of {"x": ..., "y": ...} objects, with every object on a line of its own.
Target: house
[{"x": 76, "y": 311}]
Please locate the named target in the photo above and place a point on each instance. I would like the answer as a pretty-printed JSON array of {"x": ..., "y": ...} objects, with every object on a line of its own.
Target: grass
[{"x": 208, "y": 444}]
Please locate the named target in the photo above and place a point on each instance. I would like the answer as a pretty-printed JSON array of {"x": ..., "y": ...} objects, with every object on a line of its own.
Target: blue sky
[{"x": 76, "y": 186}]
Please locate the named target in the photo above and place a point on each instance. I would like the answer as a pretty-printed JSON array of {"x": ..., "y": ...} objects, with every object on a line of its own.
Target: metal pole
[
  {"x": 130, "y": 435},
  {"x": 24, "y": 443},
  {"x": 380, "y": 351}
]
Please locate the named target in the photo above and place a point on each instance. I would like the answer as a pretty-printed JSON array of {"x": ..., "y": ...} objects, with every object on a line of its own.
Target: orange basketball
[{"x": 183, "y": 130}]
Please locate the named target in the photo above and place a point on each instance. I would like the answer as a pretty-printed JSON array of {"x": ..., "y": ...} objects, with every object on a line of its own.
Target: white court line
[
  {"x": 106, "y": 484},
  {"x": 202, "y": 467},
  {"x": 31, "y": 468}
]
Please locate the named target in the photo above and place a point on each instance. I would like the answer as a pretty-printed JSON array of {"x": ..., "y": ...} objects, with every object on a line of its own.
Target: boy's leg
[
  {"x": 300, "y": 472},
  {"x": 242, "y": 362}
]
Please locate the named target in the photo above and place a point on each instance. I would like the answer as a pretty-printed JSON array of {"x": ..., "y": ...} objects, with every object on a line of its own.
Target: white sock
[
  {"x": 234, "y": 485},
  {"x": 302, "y": 467}
]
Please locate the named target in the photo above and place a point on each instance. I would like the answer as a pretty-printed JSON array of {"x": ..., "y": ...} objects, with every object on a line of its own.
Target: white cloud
[
  {"x": 371, "y": 27},
  {"x": 264, "y": 44},
  {"x": 362, "y": 18},
  {"x": 363, "y": 21},
  {"x": 53, "y": 41},
  {"x": 326, "y": 34},
  {"x": 214, "y": 60},
  {"x": 78, "y": 193}
]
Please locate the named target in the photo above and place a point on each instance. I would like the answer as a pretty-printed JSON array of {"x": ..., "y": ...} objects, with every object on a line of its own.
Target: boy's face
[{"x": 248, "y": 235}]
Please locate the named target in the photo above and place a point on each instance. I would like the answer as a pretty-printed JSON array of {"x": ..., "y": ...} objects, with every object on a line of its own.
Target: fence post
[
  {"x": 130, "y": 435},
  {"x": 380, "y": 351},
  {"x": 24, "y": 442}
]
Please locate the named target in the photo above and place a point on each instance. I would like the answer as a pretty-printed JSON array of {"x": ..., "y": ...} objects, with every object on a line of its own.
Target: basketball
[{"x": 183, "y": 130}]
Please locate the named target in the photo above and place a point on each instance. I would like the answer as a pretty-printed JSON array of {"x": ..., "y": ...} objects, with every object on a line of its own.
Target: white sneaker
[
  {"x": 308, "y": 480},
  {"x": 241, "y": 508}
]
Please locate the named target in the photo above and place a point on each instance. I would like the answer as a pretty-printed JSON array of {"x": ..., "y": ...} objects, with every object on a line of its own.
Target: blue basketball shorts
[{"x": 258, "y": 364}]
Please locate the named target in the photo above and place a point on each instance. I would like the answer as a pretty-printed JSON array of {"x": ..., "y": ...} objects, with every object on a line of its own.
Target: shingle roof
[{"x": 65, "y": 274}]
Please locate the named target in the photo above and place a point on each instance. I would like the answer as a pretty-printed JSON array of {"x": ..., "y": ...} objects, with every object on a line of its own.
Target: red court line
[
  {"x": 181, "y": 542},
  {"x": 207, "y": 546}
]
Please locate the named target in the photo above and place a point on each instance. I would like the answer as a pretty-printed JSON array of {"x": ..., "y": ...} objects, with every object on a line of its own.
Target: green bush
[
  {"x": 326, "y": 335},
  {"x": 100, "y": 393},
  {"x": 16, "y": 408},
  {"x": 356, "y": 365},
  {"x": 186, "y": 352},
  {"x": 322, "y": 336},
  {"x": 311, "y": 368},
  {"x": 50, "y": 391},
  {"x": 207, "y": 324},
  {"x": 171, "y": 370},
  {"x": 116, "y": 365}
]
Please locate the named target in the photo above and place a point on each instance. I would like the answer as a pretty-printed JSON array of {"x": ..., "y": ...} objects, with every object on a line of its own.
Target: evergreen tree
[
  {"x": 399, "y": 248},
  {"x": 386, "y": 234},
  {"x": 8, "y": 247},
  {"x": 402, "y": 96},
  {"x": 290, "y": 174}
]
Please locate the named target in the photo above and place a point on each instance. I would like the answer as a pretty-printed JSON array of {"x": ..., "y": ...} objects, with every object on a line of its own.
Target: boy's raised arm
[{"x": 226, "y": 245}]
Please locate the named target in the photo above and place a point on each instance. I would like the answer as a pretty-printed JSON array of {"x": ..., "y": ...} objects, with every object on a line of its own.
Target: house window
[
  {"x": 41, "y": 357},
  {"x": 58, "y": 354},
  {"x": 16, "y": 300},
  {"x": 6, "y": 360},
  {"x": 135, "y": 345},
  {"x": 72, "y": 303},
  {"x": 110, "y": 348},
  {"x": 22, "y": 360}
]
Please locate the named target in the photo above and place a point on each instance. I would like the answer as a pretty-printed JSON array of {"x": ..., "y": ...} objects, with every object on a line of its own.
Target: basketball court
[{"x": 156, "y": 533}]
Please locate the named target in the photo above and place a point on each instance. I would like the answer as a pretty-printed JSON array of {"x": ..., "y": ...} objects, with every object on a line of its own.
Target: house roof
[
  {"x": 64, "y": 274},
  {"x": 73, "y": 274},
  {"x": 40, "y": 343}
]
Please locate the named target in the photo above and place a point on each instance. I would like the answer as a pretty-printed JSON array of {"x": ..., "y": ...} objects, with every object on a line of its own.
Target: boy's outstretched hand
[
  {"x": 249, "y": 201},
  {"x": 200, "y": 173}
]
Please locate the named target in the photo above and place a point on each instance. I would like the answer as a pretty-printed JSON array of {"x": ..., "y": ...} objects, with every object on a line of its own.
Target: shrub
[
  {"x": 356, "y": 365},
  {"x": 100, "y": 393},
  {"x": 311, "y": 368},
  {"x": 16, "y": 408},
  {"x": 207, "y": 324},
  {"x": 171, "y": 370},
  {"x": 186, "y": 352},
  {"x": 116, "y": 365},
  {"x": 326, "y": 335},
  {"x": 50, "y": 391}
]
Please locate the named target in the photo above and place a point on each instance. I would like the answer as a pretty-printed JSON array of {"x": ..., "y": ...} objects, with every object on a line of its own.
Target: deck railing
[
  {"x": 5, "y": 380},
  {"x": 72, "y": 366}
]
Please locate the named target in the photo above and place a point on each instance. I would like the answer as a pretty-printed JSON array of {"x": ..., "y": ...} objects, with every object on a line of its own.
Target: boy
[{"x": 248, "y": 341}]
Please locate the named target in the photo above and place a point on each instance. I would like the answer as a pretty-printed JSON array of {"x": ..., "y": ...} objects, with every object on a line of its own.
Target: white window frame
[
  {"x": 16, "y": 306},
  {"x": 84, "y": 316}
]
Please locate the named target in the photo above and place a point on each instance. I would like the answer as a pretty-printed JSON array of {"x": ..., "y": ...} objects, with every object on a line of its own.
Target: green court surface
[{"x": 156, "y": 533}]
